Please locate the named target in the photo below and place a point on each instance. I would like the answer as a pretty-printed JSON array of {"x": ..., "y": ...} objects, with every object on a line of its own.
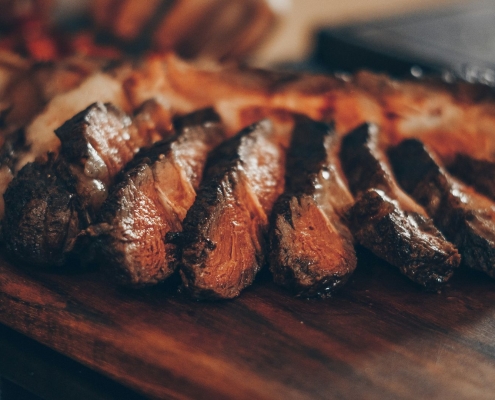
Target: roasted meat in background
[
  {"x": 311, "y": 250},
  {"x": 386, "y": 220},
  {"x": 44, "y": 30},
  {"x": 151, "y": 200},
  {"x": 216, "y": 29},
  {"x": 49, "y": 202},
  {"x": 464, "y": 216},
  {"x": 222, "y": 246}
]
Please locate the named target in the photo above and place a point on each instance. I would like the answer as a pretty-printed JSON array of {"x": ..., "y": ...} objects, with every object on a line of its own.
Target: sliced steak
[
  {"x": 96, "y": 145},
  {"x": 223, "y": 240},
  {"x": 42, "y": 221},
  {"x": 465, "y": 217},
  {"x": 311, "y": 250},
  {"x": 386, "y": 220},
  {"x": 478, "y": 173},
  {"x": 152, "y": 200}
]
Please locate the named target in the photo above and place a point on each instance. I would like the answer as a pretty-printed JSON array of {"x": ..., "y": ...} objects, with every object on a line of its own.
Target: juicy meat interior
[
  {"x": 223, "y": 240},
  {"x": 386, "y": 220},
  {"x": 311, "y": 250},
  {"x": 96, "y": 144},
  {"x": 151, "y": 200}
]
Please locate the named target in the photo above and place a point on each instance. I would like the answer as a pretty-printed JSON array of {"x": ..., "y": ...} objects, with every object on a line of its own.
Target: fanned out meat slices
[
  {"x": 48, "y": 203},
  {"x": 464, "y": 216},
  {"x": 223, "y": 240},
  {"x": 386, "y": 220},
  {"x": 152, "y": 200},
  {"x": 311, "y": 250}
]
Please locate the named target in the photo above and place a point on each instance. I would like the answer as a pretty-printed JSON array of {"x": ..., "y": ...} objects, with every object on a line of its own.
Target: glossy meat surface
[
  {"x": 42, "y": 222},
  {"x": 152, "y": 200},
  {"x": 465, "y": 217},
  {"x": 311, "y": 250},
  {"x": 386, "y": 220},
  {"x": 223, "y": 240},
  {"x": 97, "y": 143}
]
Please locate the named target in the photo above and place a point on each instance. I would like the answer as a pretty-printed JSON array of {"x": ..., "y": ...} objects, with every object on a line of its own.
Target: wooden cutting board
[{"x": 381, "y": 337}]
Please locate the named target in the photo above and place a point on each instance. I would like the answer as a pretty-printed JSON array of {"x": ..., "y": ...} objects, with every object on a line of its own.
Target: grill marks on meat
[
  {"x": 152, "y": 200},
  {"x": 223, "y": 241},
  {"x": 464, "y": 216},
  {"x": 311, "y": 250},
  {"x": 96, "y": 144},
  {"x": 387, "y": 221}
]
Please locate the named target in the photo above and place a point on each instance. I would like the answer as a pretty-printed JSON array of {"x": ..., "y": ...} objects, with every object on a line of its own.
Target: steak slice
[
  {"x": 479, "y": 173},
  {"x": 387, "y": 221},
  {"x": 151, "y": 200},
  {"x": 464, "y": 216},
  {"x": 311, "y": 250},
  {"x": 223, "y": 240},
  {"x": 96, "y": 145},
  {"x": 42, "y": 221}
]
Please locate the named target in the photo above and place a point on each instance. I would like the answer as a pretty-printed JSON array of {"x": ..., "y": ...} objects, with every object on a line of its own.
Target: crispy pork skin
[
  {"x": 223, "y": 239},
  {"x": 152, "y": 200},
  {"x": 386, "y": 220},
  {"x": 464, "y": 216},
  {"x": 96, "y": 144},
  {"x": 311, "y": 250}
]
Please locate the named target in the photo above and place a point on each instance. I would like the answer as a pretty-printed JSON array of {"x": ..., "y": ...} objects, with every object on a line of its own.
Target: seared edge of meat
[
  {"x": 223, "y": 240},
  {"x": 101, "y": 142},
  {"x": 386, "y": 220},
  {"x": 405, "y": 239},
  {"x": 96, "y": 144},
  {"x": 151, "y": 200},
  {"x": 41, "y": 223},
  {"x": 464, "y": 216},
  {"x": 311, "y": 250}
]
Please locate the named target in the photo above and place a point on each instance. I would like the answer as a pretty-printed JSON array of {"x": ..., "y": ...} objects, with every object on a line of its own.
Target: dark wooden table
[
  {"x": 28, "y": 367},
  {"x": 381, "y": 337}
]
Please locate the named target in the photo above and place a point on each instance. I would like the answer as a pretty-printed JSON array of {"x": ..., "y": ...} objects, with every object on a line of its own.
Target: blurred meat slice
[
  {"x": 214, "y": 29},
  {"x": 243, "y": 96},
  {"x": 152, "y": 200},
  {"x": 311, "y": 250},
  {"x": 223, "y": 240},
  {"x": 465, "y": 217},
  {"x": 386, "y": 220}
]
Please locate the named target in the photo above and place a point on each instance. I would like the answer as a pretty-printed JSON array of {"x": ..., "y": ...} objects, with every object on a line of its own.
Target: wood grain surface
[{"x": 381, "y": 337}]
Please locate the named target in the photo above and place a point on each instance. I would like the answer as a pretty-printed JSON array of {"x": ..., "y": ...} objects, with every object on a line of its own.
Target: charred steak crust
[
  {"x": 311, "y": 250},
  {"x": 464, "y": 216},
  {"x": 41, "y": 224},
  {"x": 404, "y": 239},
  {"x": 386, "y": 221},
  {"x": 96, "y": 144},
  {"x": 223, "y": 240},
  {"x": 152, "y": 200}
]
